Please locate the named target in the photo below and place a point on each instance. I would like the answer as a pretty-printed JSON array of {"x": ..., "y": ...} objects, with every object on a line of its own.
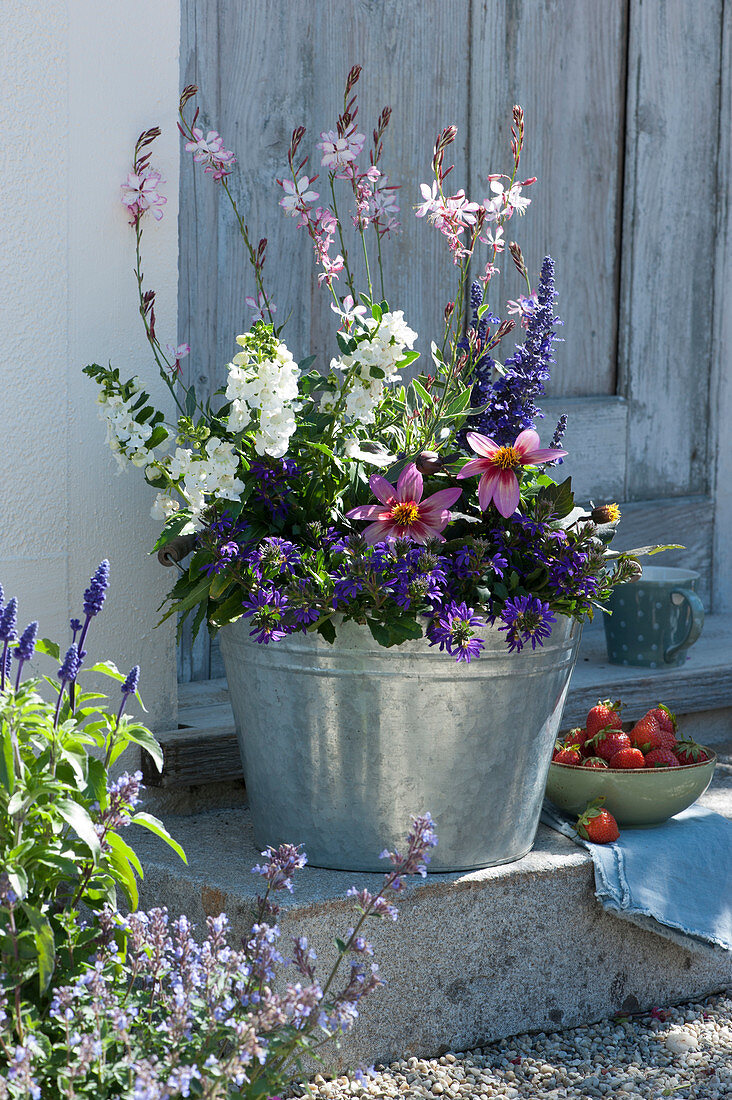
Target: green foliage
[{"x": 60, "y": 817}]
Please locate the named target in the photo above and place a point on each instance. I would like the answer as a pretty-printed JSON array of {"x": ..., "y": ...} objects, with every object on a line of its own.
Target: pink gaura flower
[
  {"x": 259, "y": 304},
  {"x": 525, "y": 306},
  {"x": 338, "y": 151},
  {"x": 140, "y": 193},
  {"x": 297, "y": 195},
  {"x": 178, "y": 353},
  {"x": 497, "y": 466},
  {"x": 401, "y": 513},
  {"x": 210, "y": 150}
]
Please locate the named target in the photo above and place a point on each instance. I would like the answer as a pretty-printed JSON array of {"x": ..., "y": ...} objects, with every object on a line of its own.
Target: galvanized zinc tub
[{"x": 341, "y": 743}]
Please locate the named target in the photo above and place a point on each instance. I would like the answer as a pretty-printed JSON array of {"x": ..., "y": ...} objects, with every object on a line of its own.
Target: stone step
[
  {"x": 473, "y": 957},
  {"x": 203, "y": 749}
]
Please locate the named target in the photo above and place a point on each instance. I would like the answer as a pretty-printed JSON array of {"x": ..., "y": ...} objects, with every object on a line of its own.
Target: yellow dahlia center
[
  {"x": 507, "y": 458},
  {"x": 405, "y": 514}
]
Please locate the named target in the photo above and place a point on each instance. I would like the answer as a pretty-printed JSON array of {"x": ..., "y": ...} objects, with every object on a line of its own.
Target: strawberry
[
  {"x": 603, "y": 715},
  {"x": 609, "y": 741},
  {"x": 594, "y": 762},
  {"x": 646, "y": 734},
  {"x": 597, "y": 825},
  {"x": 577, "y": 737},
  {"x": 628, "y": 758},
  {"x": 668, "y": 740},
  {"x": 567, "y": 756},
  {"x": 661, "y": 758},
  {"x": 664, "y": 717},
  {"x": 688, "y": 752}
]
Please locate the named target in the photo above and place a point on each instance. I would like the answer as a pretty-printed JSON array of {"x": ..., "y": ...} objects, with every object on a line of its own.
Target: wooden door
[{"x": 623, "y": 110}]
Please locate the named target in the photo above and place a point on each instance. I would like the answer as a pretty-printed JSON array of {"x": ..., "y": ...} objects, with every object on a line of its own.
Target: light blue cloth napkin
[{"x": 674, "y": 878}]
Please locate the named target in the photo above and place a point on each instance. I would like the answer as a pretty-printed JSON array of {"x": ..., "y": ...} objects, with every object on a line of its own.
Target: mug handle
[{"x": 697, "y": 621}]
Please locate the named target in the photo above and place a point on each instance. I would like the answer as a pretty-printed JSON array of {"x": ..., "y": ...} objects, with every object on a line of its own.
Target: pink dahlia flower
[
  {"x": 402, "y": 514},
  {"x": 497, "y": 466}
]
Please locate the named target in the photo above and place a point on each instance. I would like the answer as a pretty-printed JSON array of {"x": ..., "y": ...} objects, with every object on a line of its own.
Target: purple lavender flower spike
[
  {"x": 2, "y": 595},
  {"x": 129, "y": 687},
  {"x": 513, "y": 395},
  {"x": 70, "y": 668},
  {"x": 9, "y": 621},
  {"x": 97, "y": 590},
  {"x": 25, "y": 648}
]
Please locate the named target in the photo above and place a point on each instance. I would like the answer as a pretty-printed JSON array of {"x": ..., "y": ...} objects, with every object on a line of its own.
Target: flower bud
[
  {"x": 428, "y": 462},
  {"x": 605, "y": 513}
]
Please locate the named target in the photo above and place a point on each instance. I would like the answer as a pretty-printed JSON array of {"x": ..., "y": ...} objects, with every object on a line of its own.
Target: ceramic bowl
[{"x": 637, "y": 796}]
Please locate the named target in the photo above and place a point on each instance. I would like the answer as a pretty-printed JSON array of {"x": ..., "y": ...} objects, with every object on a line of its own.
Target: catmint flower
[
  {"x": 8, "y": 896},
  {"x": 97, "y": 590},
  {"x": 280, "y": 864}
]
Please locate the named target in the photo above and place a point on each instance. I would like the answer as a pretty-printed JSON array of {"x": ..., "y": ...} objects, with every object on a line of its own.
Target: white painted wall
[{"x": 81, "y": 80}]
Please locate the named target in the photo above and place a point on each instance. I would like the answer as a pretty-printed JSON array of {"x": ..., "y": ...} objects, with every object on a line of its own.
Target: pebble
[{"x": 687, "y": 1055}]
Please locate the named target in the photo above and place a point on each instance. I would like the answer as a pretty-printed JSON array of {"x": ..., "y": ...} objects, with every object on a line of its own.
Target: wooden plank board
[
  {"x": 668, "y": 242},
  {"x": 596, "y": 440},
  {"x": 197, "y": 756},
  {"x": 721, "y": 406},
  {"x": 564, "y": 62},
  {"x": 198, "y": 236},
  {"x": 688, "y": 521},
  {"x": 274, "y": 76}
]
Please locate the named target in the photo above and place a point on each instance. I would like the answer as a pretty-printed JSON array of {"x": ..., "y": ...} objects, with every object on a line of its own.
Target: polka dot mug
[{"x": 655, "y": 619}]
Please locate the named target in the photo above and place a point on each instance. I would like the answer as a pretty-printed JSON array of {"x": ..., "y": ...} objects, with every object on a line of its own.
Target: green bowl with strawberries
[{"x": 634, "y": 796}]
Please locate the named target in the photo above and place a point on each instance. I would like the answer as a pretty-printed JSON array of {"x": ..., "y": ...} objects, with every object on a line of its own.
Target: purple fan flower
[
  {"x": 453, "y": 629},
  {"x": 266, "y": 608},
  {"x": 526, "y": 618}
]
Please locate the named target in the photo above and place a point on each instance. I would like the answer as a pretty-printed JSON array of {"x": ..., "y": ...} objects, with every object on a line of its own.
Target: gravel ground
[{"x": 684, "y": 1052}]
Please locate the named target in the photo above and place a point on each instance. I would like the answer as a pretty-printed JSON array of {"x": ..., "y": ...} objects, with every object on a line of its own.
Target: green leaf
[
  {"x": 327, "y": 630},
  {"x": 421, "y": 391},
  {"x": 119, "y": 845},
  {"x": 190, "y": 401},
  {"x": 141, "y": 736},
  {"x": 51, "y": 649},
  {"x": 458, "y": 405},
  {"x": 346, "y": 344},
  {"x": 108, "y": 668},
  {"x": 307, "y": 362},
  {"x": 7, "y": 768},
  {"x": 45, "y": 944},
  {"x": 123, "y": 874},
  {"x": 78, "y": 819},
  {"x": 19, "y": 881},
  {"x": 560, "y": 496},
  {"x": 483, "y": 309},
  {"x": 155, "y": 826},
  {"x": 379, "y": 632}
]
